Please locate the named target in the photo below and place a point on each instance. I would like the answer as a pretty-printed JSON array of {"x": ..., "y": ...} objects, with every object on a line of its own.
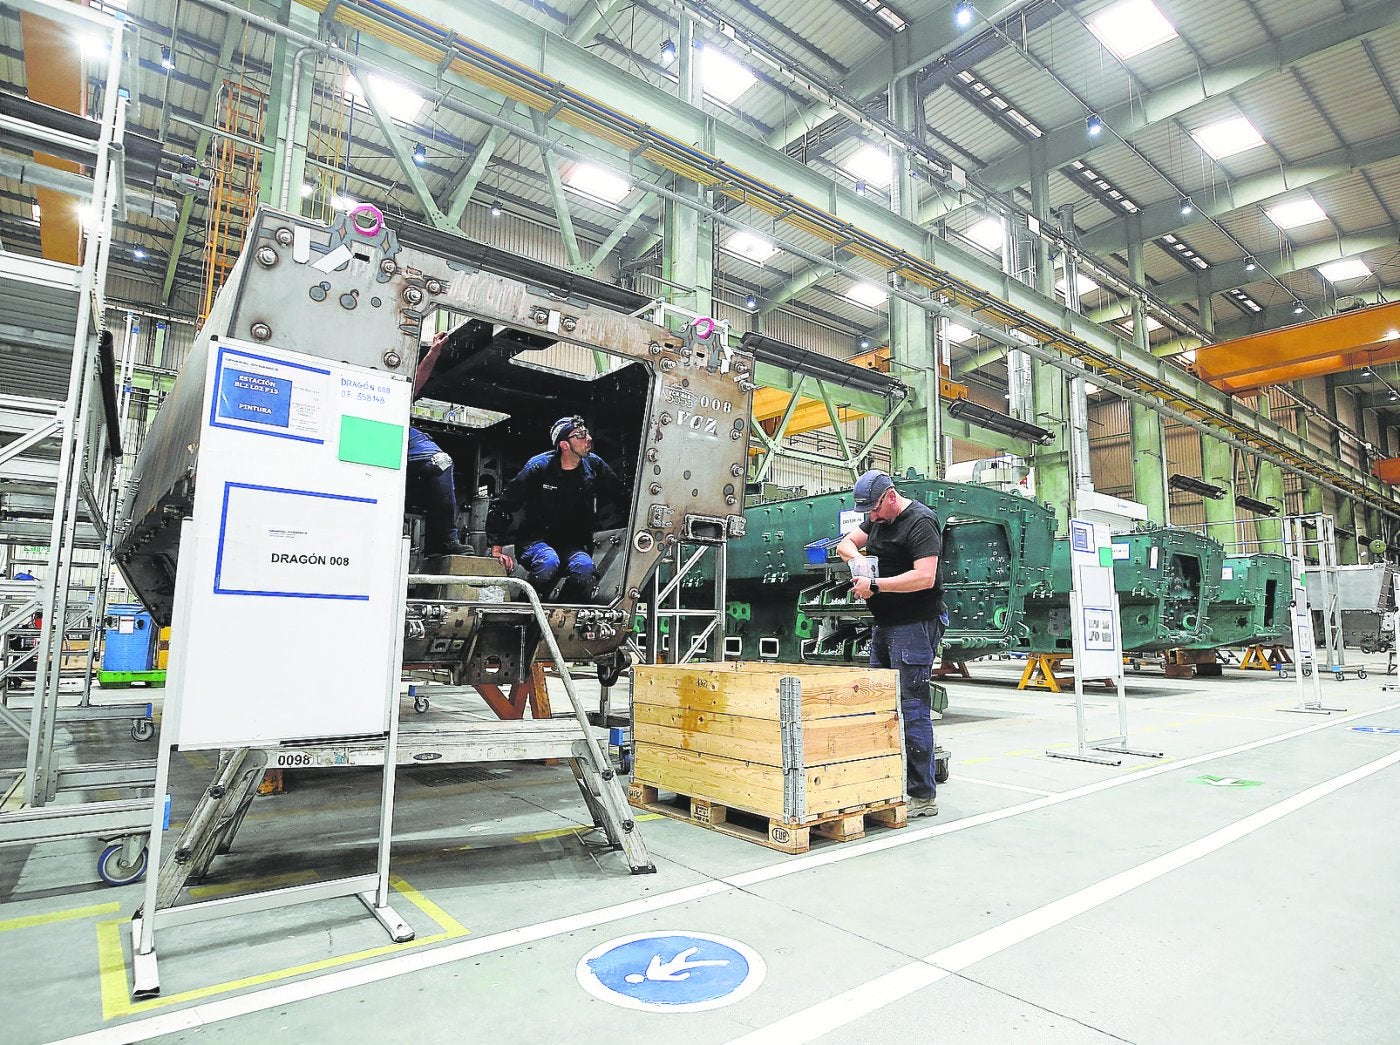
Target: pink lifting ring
[
  {"x": 372, "y": 211},
  {"x": 704, "y": 327}
]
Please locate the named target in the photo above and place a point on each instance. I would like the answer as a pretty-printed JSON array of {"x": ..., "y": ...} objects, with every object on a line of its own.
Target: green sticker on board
[
  {"x": 377, "y": 443},
  {"x": 1106, "y": 557}
]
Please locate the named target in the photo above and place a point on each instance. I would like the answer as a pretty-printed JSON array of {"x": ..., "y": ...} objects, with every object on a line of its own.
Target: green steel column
[
  {"x": 687, "y": 256},
  {"x": 1313, "y": 501},
  {"x": 270, "y": 169},
  {"x": 1373, "y": 530},
  {"x": 1217, "y": 459},
  {"x": 1347, "y": 548},
  {"x": 911, "y": 340},
  {"x": 1268, "y": 486},
  {"x": 1145, "y": 424},
  {"x": 1052, "y": 478},
  {"x": 1218, "y": 469}
]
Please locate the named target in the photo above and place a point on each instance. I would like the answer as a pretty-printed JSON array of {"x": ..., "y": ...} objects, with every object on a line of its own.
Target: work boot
[{"x": 922, "y": 807}]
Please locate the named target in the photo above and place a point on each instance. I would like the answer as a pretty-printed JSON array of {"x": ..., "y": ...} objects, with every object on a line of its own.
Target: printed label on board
[
  {"x": 1121, "y": 551},
  {"x": 261, "y": 394},
  {"x": 1098, "y": 629},
  {"x": 293, "y": 544}
]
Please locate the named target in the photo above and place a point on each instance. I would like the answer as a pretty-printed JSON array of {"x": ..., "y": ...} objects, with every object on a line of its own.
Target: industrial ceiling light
[
  {"x": 1297, "y": 308},
  {"x": 1249, "y": 263},
  {"x": 1093, "y": 125},
  {"x": 420, "y": 154},
  {"x": 864, "y": 343},
  {"x": 962, "y": 14},
  {"x": 139, "y": 254},
  {"x": 1186, "y": 207},
  {"x": 1191, "y": 484},
  {"x": 751, "y": 302},
  {"x": 982, "y": 417},
  {"x": 861, "y": 188},
  {"x": 307, "y": 189},
  {"x": 167, "y": 60},
  {"x": 1253, "y": 504},
  {"x": 668, "y": 52},
  {"x": 496, "y": 208}
]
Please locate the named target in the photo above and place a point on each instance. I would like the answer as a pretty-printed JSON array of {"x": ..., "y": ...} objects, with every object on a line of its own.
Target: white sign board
[
  {"x": 285, "y": 628},
  {"x": 1100, "y": 646}
]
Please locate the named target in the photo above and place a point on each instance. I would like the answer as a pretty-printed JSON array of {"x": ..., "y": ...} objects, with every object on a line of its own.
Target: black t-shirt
[{"x": 914, "y": 534}]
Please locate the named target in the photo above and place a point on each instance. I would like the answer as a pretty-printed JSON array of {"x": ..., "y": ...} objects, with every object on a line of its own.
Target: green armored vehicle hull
[
  {"x": 1252, "y": 607},
  {"x": 789, "y": 596},
  {"x": 1166, "y": 580}
]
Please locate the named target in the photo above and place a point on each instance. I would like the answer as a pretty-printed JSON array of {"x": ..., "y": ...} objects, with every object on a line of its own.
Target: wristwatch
[{"x": 874, "y": 586}]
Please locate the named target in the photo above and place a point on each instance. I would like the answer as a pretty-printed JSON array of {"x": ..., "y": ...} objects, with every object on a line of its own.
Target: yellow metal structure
[
  {"x": 769, "y": 405},
  {"x": 879, "y": 359},
  {"x": 1349, "y": 341},
  {"x": 233, "y": 194}
]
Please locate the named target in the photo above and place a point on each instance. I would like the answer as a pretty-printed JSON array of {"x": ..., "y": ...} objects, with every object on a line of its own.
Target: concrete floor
[{"x": 1051, "y": 901}]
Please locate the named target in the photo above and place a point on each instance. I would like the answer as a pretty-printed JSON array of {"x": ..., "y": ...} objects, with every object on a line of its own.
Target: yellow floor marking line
[
  {"x": 560, "y": 832},
  {"x": 252, "y": 885},
  {"x": 112, "y": 971},
  {"x": 449, "y": 924},
  {"x": 59, "y": 916}
]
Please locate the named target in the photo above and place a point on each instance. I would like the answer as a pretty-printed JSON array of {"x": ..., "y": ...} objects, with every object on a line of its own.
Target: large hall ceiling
[{"x": 1011, "y": 93}]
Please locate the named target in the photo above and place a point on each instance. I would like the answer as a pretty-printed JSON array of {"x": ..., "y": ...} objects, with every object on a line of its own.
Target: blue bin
[{"x": 130, "y": 640}]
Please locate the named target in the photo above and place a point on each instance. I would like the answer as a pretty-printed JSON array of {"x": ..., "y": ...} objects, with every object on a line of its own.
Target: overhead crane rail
[{"x": 443, "y": 47}]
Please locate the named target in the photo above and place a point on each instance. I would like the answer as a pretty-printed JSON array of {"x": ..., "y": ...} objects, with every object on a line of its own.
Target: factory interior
[{"x": 469, "y": 468}]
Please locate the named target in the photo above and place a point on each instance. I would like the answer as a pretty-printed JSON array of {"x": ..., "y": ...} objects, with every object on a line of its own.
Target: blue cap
[
  {"x": 564, "y": 427},
  {"x": 870, "y": 487}
]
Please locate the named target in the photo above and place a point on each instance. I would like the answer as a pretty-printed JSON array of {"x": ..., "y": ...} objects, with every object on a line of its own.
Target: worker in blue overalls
[
  {"x": 560, "y": 492},
  {"x": 430, "y": 472}
]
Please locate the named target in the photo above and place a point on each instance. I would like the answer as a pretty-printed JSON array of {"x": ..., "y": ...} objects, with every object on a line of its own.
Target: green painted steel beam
[
  {"x": 459, "y": 193},
  {"x": 622, "y": 228},
  {"x": 1068, "y": 142},
  {"x": 524, "y": 58},
  {"x": 392, "y": 138},
  {"x": 557, "y": 194},
  {"x": 222, "y": 67},
  {"x": 1158, "y": 219},
  {"x": 1228, "y": 275}
]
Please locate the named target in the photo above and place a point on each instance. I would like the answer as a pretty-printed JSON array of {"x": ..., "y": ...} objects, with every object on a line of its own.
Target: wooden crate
[{"x": 732, "y": 735}]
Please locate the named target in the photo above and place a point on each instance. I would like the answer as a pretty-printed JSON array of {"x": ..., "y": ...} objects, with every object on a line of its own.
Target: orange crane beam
[{"x": 1348, "y": 341}]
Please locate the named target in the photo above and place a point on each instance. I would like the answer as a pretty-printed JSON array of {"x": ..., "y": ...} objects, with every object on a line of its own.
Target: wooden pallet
[{"x": 843, "y": 825}]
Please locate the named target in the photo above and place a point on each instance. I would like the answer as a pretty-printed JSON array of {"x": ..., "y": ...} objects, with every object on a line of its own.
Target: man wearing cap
[
  {"x": 430, "y": 472},
  {"x": 560, "y": 492},
  {"x": 905, "y": 539}
]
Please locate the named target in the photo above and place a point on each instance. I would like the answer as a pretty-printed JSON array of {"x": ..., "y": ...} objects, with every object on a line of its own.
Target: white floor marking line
[
  {"x": 960, "y": 779},
  {"x": 388, "y": 968},
  {"x": 845, "y": 1008}
]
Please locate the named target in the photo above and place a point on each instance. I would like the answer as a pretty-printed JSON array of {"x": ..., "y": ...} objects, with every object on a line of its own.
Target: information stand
[
  {"x": 1097, "y": 640},
  {"x": 1305, "y": 663},
  {"x": 289, "y": 601}
]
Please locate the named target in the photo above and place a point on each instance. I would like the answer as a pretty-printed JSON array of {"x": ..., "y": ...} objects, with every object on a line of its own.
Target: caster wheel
[
  {"x": 420, "y": 704},
  {"x": 142, "y": 729},
  {"x": 940, "y": 772},
  {"x": 1361, "y": 674},
  {"x": 1307, "y": 673},
  {"x": 112, "y": 869}
]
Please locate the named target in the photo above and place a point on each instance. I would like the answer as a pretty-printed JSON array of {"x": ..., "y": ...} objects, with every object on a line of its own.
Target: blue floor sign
[
  {"x": 1387, "y": 730},
  {"x": 671, "y": 971}
]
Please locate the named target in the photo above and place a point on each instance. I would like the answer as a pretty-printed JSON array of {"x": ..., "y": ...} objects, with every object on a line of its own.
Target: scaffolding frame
[{"x": 65, "y": 464}]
